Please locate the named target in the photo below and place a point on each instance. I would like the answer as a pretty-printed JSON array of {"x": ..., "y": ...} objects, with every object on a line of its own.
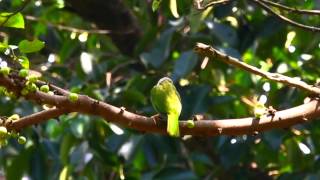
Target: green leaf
[
  {"x": 79, "y": 126},
  {"x": 155, "y": 5},
  {"x": 184, "y": 64},
  {"x": 195, "y": 99},
  {"x": 160, "y": 52},
  {"x": 65, "y": 172},
  {"x": 12, "y": 20},
  {"x": 3, "y": 47},
  {"x": 225, "y": 33},
  {"x": 197, "y": 19},
  {"x": 66, "y": 144},
  {"x": 26, "y": 46},
  {"x": 24, "y": 61},
  {"x": 19, "y": 164}
]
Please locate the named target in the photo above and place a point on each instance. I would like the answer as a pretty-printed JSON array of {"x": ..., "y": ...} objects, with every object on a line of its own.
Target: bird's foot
[{"x": 158, "y": 118}]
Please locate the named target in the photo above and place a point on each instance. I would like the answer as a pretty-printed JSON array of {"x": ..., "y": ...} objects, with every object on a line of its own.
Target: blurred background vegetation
[{"x": 120, "y": 66}]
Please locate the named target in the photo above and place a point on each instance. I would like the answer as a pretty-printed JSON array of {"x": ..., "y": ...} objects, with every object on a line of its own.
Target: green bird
[{"x": 166, "y": 101}]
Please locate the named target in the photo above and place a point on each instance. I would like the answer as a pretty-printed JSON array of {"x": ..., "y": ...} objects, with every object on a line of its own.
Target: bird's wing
[{"x": 155, "y": 102}]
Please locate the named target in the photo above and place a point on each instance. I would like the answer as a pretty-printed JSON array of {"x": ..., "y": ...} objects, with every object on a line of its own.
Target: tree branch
[
  {"x": 294, "y": 10},
  {"x": 87, "y": 105},
  {"x": 198, "y": 4},
  {"x": 206, "y": 50},
  {"x": 69, "y": 28},
  {"x": 285, "y": 19},
  {"x": 37, "y": 118}
]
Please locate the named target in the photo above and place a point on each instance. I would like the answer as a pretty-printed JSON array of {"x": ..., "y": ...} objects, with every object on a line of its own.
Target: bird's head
[{"x": 164, "y": 80}]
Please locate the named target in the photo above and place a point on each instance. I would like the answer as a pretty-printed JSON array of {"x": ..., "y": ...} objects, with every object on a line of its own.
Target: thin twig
[
  {"x": 209, "y": 51},
  {"x": 69, "y": 28},
  {"x": 77, "y": 30},
  {"x": 56, "y": 89},
  {"x": 198, "y": 4},
  {"x": 38, "y": 117},
  {"x": 295, "y": 10},
  {"x": 285, "y": 19}
]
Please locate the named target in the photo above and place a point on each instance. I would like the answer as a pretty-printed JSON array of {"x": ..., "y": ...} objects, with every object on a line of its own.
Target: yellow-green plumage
[{"x": 166, "y": 100}]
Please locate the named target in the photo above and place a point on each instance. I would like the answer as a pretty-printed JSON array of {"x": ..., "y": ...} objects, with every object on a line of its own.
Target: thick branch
[
  {"x": 87, "y": 105},
  {"x": 209, "y": 51}
]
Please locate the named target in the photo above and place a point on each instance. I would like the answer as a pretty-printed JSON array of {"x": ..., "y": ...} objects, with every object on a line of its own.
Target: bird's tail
[{"x": 173, "y": 125}]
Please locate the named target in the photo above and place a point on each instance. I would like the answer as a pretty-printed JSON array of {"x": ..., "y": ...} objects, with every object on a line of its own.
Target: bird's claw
[{"x": 158, "y": 117}]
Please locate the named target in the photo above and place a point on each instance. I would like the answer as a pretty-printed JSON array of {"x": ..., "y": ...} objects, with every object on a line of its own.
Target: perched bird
[{"x": 166, "y": 101}]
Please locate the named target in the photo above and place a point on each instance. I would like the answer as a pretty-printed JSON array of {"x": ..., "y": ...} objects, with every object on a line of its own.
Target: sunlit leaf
[
  {"x": 155, "y": 4},
  {"x": 65, "y": 173},
  {"x": 12, "y": 20},
  {"x": 24, "y": 61},
  {"x": 3, "y": 47}
]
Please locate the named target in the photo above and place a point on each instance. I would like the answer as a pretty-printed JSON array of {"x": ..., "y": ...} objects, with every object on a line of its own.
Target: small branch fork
[{"x": 267, "y": 5}]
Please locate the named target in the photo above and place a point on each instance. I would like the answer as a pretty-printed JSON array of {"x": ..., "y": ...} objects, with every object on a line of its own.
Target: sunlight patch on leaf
[
  {"x": 86, "y": 62},
  {"x": 304, "y": 148},
  {"x": 174, "y": 8},
  {"x": 83, "y": 37},
  {"x": 116, "y": 129},
  {"x": 24, "y": 61}
]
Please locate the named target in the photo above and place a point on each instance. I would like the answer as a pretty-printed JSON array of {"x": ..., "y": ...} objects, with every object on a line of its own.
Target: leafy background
[{"x": 87, "y": 147}]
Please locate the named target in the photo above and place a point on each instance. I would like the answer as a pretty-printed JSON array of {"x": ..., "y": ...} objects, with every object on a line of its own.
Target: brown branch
[
  {"x": 285, "y": 19},
  {"x": 38, "y": 118},
  {"x": 198, "y": 4},
  {"x": 87, "y": 105},
  {"x": 209, "y": 51},
  {"x": 294, "y": 10}
]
